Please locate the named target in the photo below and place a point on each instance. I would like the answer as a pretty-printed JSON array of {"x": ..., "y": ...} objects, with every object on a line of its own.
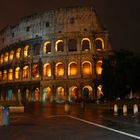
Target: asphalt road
[{"x": 51, "y": 122}]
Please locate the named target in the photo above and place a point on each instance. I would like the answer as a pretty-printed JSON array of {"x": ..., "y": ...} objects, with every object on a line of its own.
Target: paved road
[{"x": 50, "y": 122}]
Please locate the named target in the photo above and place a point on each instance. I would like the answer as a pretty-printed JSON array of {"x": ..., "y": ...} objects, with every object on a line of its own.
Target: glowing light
[
  {"x": 87, "y": 68},
  {"x": 47, "y": 47},
  {"x": 72, "y": 69},
  {"x": 59, "y": 69},
  {"x": 99, "y": 67},
  {"x": 10, "y": 74},
  {"x": 11, "y": 55},
  {"x": 18, "y": 53},
  {"x": 86, "y": 44},
  {"x": 17, "y": 73},
  {"x": 26, "y": 72},
  {"x": 6, "y": 57},
  {"x": 102, "y": 42},
  {"x": 47, "y": 70},
  {"x": 26, "y": 50},
  {"x": 59, "y": 46}
]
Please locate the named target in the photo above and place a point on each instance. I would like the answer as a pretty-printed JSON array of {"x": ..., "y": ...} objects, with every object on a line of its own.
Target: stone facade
[{"x": 55, "y": 55}]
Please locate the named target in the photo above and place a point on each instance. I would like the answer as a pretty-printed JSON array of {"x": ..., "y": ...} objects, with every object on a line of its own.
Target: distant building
[{"x": 53, "y": 56}]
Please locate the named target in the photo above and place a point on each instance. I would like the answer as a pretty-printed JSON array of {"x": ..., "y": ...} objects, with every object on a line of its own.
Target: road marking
[{"x": 105, "y": 127}]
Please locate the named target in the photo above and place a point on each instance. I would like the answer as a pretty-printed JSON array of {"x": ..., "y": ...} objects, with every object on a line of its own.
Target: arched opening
[
  {"x": 73, "y": 94},
  {"x": 59, "y": 69},
  {"x": 87, "y": 93},
  {"x": 87, "y": 68},
  {"x": 11, "y": 55},
  {"x": 5, "y": 75},
  {"x": 10, "y": 94},
  {"x": 18, "y": 53},
  {"x": 47, "y": 70},
  {"x": 26, "y": 72},
  {"x": 59, "y": 46},
  {"x": 99, "y": 92},
  {"x": 36, "y": 49},
  {"x": 86, "y": 44},
  {"x": 72, "y": 69},
  {"x": 37, "y": 94},
  {"x": 35, "y": 71},
  {"x": 47, "y": 94},
  {"x": 1, "y": 59},
  {"x": 72, "y": 45},
  {"x": 10, "y": 74},
  {"x": 99, "y": 67},
  {"x": 17, "y": 73},
  {"x": 60, "y": 95},
  {"x": 27, "y": 51},
  {"x": 47, "y": 47},
  {"x": 99, "y": 44},
  {"x": 6, "y": 57}
]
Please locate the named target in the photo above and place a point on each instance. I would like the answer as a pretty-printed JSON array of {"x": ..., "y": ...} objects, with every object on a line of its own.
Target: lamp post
[{"x": 95, "y": 76}]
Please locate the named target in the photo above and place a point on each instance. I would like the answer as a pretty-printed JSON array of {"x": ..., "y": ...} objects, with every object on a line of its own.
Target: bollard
[
  {"x": 5, "y": 115},
  {"x": 67, "y": 107},
  {"x": 115, "y": 109},
  {"x": 135, "y": 109},
  {"x": 124, "y": 110}
]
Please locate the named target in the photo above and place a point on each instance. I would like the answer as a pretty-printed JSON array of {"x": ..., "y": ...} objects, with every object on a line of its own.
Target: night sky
[{"x": 120, "y": 17}]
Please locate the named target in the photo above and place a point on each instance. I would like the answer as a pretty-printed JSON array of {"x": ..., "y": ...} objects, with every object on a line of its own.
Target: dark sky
[{"x": 120, "y": 17}]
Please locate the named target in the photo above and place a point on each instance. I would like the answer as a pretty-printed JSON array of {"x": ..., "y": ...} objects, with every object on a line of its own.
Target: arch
[
  {"x": 59, "y": 46},
  {"x": 10, "y": 74},
  {"x": 6, "y": 57},
  {"x": 10, "y": 94},
  {"x": 87, "y": 93},
  {"x": 72, "y": 69},
  {"x": 47, "y": 47},
  {"x": 86, "y": 44},
  {"x": 26, "y": 72},
  {"x": 99, "y": 92},
  {"x": 73, "y": 94},
  {"x": 47, "y": 94},
  {"x": 5, "y": 75},
  {"x": 17, "y": 73},
  {"x": 99, "y": 67},
  {"x": 36, "y": 49},
  {"x": 47, "y": 70},
  {"x": 60, "y": 94},
  {"x": 2, "y": 59},
  {"x": 36, "y": 94},
  {"x": 87, "y": 68},
  {"x": 59, "y": 69},
  {"x": 35, "y": 71},
  {"x": 26, "y": 51},
  {"x": 72, "y": 45},
  {"x": 18, "y": 53},
  {"x": 99, "y": 44},
  {"x": 11, "y": 55}
]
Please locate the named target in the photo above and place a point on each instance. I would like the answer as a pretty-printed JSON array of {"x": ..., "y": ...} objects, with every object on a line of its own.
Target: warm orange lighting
[
  {"x": 60, "y": 93},
  {"x": 6, "y": 57},
  {"x": 59, "y": 69},
  {"x": 87, "y": 68},
  {"x": 26, "y": 50},
  {"x": 18, "y": 53},
  {"x": 5, "y": 75},
  {"x": 72, "y": 69},
  {"x": 47, "y": 70},
  {"x": 59, "y": 46},
  {"x": 102, "y": 43},
  {"x": 86, "y": 44},
  {"x": 47, "y": 47},
  {"x": 17, "y": 73},
  {"x": 10, "y": 74},
  {"x": 35, "y": 71},
  {"x": 26, "y": 72},
  {"x": 11, "y": 55},
  {"x": 99, "y": 67},
  {"x": 1, "y": 59},
  {"x": 0, "y": 75}
]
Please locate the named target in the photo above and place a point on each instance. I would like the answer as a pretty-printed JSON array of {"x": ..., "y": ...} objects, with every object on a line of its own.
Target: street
[{"x": 52, "y": 122}]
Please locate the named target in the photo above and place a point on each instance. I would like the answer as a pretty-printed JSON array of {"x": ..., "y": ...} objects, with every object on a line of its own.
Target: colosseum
[{"x": 54, "y": 56}]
